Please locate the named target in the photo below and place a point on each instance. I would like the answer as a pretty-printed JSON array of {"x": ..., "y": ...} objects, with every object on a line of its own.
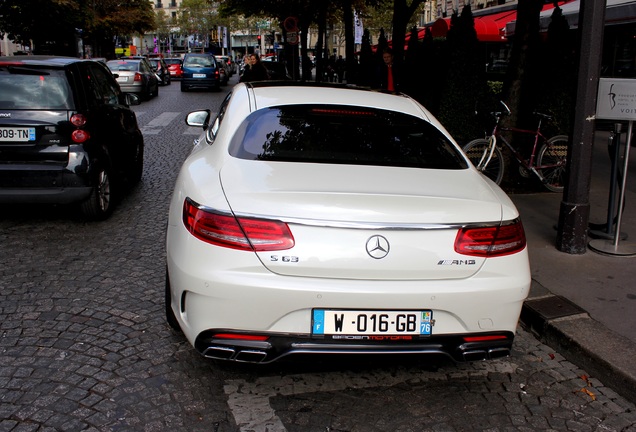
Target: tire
[
  {"x": 147, "y": 93},
  {"x": 551, "y": 163},
  {"x": 171, "y": 318},
  {"x": 183, "y": 87},
  {"x": 495, "y": 169},
  {"x": 99, "y": 204},
  {"x": 138, "y": 165}
]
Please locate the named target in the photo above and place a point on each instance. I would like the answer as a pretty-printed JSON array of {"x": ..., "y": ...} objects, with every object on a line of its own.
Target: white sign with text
[{"x": 616, "y": 99}]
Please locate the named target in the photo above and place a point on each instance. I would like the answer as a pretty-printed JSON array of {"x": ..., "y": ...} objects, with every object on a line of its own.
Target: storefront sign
[{"x": 616, "y": 99}]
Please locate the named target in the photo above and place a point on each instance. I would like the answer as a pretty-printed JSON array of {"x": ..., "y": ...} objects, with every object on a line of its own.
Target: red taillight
[
  {"x": 138, "y": 76},
  {"x": 491, "y": 241},
  {"x": 78, "y": 120},
  {"x": 236, "y": 233},
  {"x": 217, "y": 73},
  {"x": 240, "y": 336},
  {"x": 80, "y": 135}
]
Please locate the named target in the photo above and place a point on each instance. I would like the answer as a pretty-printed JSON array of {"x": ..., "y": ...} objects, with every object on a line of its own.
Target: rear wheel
[
  {"x": 551, "y": 162},
  {"x": 138, "y": 165},
  {"x": 99, "y": 205},
  {"x": 477, "y": 151}
]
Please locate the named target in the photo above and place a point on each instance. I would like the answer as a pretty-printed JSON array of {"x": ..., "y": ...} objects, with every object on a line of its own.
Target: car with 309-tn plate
[{"x": 67, "y": 134}]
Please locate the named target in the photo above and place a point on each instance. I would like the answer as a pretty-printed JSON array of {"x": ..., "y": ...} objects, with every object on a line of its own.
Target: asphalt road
[{"x": 84, "y": 345}]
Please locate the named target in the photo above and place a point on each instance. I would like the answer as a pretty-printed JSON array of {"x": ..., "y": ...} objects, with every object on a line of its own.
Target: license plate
[
  {"x": 122, "y": 79},
  {"x": 371, "y": 322},
  {"x": 198, "y": 75},
  {"x": 17, "y": 134}
]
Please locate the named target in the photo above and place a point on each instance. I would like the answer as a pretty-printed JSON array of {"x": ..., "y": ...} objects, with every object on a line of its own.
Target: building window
[
  {"x": 158, "y": 5},
  {"x": 173, "y": 3}
]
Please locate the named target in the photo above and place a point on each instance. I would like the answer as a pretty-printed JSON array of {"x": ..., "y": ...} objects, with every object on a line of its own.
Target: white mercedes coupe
[{"x": 329, "y": 219}]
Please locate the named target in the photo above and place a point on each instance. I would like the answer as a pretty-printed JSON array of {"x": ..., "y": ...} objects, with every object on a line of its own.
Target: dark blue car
[{"x": 200, "y": 71}]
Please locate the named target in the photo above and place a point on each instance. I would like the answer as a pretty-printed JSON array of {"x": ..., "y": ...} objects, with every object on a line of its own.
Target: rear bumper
[
  {"x": 47, "y": 183},
  {"x": 200, "y": 83},
  {"x": 132, "y": 88},
  {"x": 277, "y": 347},
  {"x": 67, "y": 195}
]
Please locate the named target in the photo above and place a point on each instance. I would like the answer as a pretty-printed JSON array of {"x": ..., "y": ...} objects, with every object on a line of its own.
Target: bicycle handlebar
[
  {"x": 506, "y": 107},
  {"x": 498, "y": 114}
]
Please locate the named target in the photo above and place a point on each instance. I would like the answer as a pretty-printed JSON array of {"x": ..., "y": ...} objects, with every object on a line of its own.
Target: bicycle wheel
[
  {"x": 477, "y": 150},
  {"x": 551, "y": 162}
]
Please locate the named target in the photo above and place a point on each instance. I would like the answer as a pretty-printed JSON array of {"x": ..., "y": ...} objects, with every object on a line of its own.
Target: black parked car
[
  {"x": 67, "y": 134},
  {"x": 160, "y": 67}
]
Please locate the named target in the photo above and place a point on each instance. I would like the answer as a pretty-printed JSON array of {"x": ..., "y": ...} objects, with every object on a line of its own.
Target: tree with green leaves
[
  {"x": 403, "y": 12},
  {"x": 198, "y": 18},
  {"x": 54, "y": 26},
  {"x": 42, "y": 25},
  {"x": 306, "y": 13}
]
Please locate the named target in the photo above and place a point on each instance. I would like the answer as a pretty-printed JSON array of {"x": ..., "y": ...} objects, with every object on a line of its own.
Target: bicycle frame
[
  {"x": 528, "y": 164},
  {"x": 546, "y": 160}
]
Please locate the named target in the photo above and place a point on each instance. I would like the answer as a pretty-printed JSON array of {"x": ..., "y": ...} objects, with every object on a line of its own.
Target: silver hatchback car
[{"x": 135, "y": 76}]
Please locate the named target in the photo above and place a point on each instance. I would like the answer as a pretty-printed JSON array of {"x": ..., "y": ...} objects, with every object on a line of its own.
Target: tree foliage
[
  {"x": 198, "y": 17},
  {"x": 52, "y": 26},
  {"x": 465, "y": 81}
]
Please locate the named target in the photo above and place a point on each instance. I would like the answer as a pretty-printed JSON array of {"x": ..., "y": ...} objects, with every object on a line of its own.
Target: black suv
[
  {"x": 67, "y": 134},
  {"x": 160, "y": 67}
]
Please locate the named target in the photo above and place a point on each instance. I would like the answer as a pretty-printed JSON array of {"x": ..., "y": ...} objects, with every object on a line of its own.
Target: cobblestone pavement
[{"x": 84, "y": 345}]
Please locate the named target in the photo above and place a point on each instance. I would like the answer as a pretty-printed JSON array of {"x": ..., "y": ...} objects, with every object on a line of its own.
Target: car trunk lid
[{"x": 361, "y": 222}]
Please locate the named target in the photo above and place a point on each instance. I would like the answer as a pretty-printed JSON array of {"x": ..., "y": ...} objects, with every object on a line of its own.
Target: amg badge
[{"x": 456, "y": 262}]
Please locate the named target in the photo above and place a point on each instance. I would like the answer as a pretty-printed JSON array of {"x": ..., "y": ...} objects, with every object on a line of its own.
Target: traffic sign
[{"x": 292, "y": 38}]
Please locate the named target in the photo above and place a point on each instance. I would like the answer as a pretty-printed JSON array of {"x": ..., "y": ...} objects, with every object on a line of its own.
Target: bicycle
[{"x": 548, "y": 164}]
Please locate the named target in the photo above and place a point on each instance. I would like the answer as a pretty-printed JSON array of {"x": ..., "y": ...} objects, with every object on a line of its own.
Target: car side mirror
[
  {"x": 132, "y": 99},
  {"x": 199, "y": 118}
]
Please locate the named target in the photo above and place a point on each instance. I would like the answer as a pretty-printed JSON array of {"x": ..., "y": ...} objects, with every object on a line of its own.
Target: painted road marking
[{"x": 249, "y": 401}]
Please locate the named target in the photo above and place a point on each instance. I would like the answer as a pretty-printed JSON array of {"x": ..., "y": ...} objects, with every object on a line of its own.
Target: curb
[{"x": 570, "y": 331}]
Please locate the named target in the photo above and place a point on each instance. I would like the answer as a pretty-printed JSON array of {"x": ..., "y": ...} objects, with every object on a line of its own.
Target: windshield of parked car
[
  {"x": 23, "y": 87},
  {"x": 343, "y": 135},
  {"x": 123, "y": 65}
]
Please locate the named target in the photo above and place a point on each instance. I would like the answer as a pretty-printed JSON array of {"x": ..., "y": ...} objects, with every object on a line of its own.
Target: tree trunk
[
  {"x": 520, "y": 84},
  {"x": 349, "y": 41},
  {"x": 322, "y": 27}
]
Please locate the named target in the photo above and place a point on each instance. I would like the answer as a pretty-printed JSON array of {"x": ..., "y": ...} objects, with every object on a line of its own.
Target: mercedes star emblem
[{"x": 377, "y": 247}]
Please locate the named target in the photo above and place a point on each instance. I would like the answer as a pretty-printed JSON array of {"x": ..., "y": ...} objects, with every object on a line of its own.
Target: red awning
[{"x": 489, "y": 27}]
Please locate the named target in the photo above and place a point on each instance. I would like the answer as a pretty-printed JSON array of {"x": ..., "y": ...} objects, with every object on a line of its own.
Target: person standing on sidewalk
[
  {"x": 255, "y": 70},
  {"x": 388, "y": 74}
]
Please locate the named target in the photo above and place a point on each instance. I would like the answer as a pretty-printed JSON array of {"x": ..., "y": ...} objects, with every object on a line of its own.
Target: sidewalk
[{"x": 584, "y": 306}]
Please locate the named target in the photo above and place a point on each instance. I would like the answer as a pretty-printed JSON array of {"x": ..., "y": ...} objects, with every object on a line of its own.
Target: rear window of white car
[
  {"x": 343, "y": 135},
  {"x": 23, "y": 87}
]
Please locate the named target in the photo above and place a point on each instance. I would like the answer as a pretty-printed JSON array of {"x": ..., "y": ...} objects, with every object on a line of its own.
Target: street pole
[{"x": 575, "y": 206}]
